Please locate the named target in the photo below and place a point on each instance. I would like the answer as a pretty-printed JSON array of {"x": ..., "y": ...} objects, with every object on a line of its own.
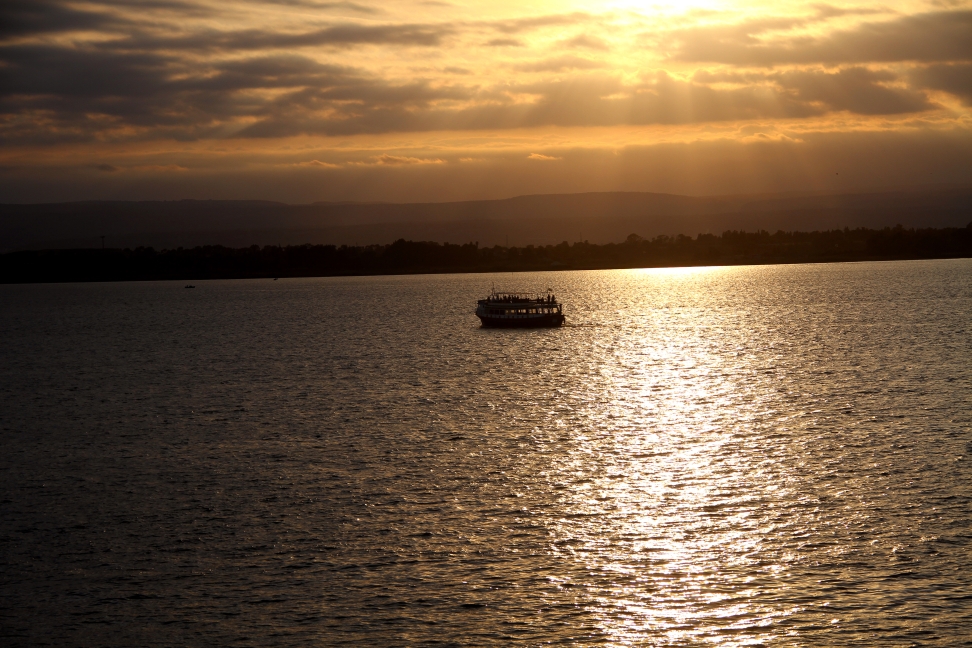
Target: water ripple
[{"x": 770, "y": 455}]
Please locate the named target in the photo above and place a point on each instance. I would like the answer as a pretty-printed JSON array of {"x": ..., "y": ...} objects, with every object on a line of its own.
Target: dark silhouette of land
[
  {"x": 414, "y": 257},
  {"x": 539, "y": 219}
]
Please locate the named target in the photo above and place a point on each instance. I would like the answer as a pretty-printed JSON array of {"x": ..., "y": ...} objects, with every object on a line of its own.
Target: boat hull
[{"x": 537, "y": 321}]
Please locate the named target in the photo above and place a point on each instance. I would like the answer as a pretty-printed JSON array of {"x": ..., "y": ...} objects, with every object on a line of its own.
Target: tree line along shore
[{"x": 424, "y": 257}]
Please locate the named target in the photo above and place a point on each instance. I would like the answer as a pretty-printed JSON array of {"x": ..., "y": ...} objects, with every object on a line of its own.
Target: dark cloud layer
[
  {"x": 24, "y": 17},
  {"x": 339, "y": 36},
  {"x": 319, "y": 4},
  {"x": 955, "y": 79},
  {"x": 526, "y": 24},
  {"x": 587, "y": 100},
  {"x": 142, "y": 81},
  {"x": 79, "y": 93},
  {"x": 856, "y": 90}
]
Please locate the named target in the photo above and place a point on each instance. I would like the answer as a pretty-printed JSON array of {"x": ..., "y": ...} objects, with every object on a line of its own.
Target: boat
[{"x": 520, "y": 310}]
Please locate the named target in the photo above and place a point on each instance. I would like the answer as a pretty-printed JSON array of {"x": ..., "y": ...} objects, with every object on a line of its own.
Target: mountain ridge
[{"x": 528, "y": 219}]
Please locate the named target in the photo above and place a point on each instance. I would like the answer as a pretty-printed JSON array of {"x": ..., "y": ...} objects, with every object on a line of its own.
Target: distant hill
[{"x": 535, "y": 219}]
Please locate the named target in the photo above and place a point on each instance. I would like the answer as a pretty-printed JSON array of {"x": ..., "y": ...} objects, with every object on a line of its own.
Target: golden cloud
[{"x": 162, "y": 77}]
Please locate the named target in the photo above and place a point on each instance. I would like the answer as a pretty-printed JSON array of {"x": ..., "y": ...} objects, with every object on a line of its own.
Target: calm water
[{"x": 773, "y": 455}]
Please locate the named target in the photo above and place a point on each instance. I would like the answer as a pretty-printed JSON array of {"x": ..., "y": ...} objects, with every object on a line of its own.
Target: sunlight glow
[{"x": 653, "y": 520}]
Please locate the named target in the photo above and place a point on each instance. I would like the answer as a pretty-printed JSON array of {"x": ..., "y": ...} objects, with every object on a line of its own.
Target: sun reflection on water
[{"x": 671, "y": 523}]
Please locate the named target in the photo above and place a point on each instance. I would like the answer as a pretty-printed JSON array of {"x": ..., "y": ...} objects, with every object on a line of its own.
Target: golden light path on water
[{"x": 690, "y": 462}]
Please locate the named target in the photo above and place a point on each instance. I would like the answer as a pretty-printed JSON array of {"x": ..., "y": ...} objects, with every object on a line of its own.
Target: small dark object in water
[{"x": 189, "y": 286}]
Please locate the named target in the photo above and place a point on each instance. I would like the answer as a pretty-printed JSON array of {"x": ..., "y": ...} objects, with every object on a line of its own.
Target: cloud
[
  {"x": 67, "y": 72},
  {"x": 24, "y": 17},
  {"x": 150, "y": 168},
  {"x": 540, "y": 156},
  {"x": 519, "y": 25},
  {"x": 159, "y": 167},
  {"x": 318, "y": 163},
  {"x": 895, "y": 159},
  {"x": 586, "y": 41},
  {"x": 858, "y": 90},
  {"x": 275, "y": 71},
  {"x": 316, "y": 4},
  {"x": 21, "y": 18},
  {"x": 937, "y": 36},
  {"x": 559, "y": 64},
  {"x": 73, "y": 93},
  {"x": 826, "y": 11},
  {"x": 67, "y": 94},
  {"x": 955, "y": 79},
  {"x": 504, "y": 42},
  {"x": 604, "y": 100},
  {"x": 336, "y": 36},
  {"x": 397, "y": 160},
  {"x": 104, "y": 73}
]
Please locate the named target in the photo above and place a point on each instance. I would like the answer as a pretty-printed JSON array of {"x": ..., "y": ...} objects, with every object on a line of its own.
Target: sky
[{"x": 311, "y": 100}]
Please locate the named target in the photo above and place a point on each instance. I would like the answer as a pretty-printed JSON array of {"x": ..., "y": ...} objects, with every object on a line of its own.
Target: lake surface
[{"x": 774, "y": 455}]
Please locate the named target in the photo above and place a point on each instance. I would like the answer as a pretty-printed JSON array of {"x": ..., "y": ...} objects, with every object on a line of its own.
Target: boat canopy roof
[{"x": 517, "y": 296}]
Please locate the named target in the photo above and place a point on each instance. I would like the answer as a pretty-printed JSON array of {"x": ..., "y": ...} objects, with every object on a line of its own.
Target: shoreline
[{"x": 403, "y": 257}]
